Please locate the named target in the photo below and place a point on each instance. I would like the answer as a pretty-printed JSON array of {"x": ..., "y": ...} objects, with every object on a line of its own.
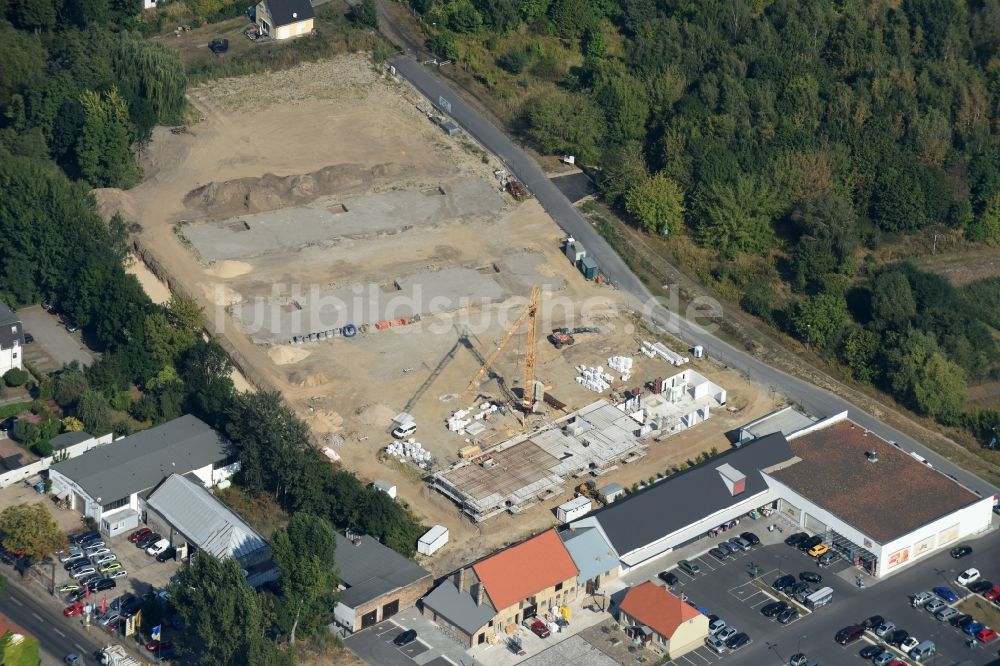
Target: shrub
[
  {"x": 515, "y": 60},
  {"x": 42, "y": 448},
  {"x": 16, "y": 377},
  {"x": 714, "y": 451}
]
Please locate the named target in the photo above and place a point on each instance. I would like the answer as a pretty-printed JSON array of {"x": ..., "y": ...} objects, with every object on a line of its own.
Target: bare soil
[{"x": 274, "y": 141}]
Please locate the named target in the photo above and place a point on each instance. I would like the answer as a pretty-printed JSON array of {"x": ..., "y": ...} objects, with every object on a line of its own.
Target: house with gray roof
[
  {"x": 192, "y": 518},
  {"x": 593, "y": 555},
  {"x": 459, "y": 611},
  {"x": 11, "y": 340},
  {"x": 112, "y": 478},
  {"x": 376, "y": 582}
]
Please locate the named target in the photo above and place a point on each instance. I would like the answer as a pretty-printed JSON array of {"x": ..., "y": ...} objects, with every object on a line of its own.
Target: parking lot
[
  {"x": 725, "y": 588},
  {"x": 375, "y": 646},
  {"x": 54, "y": 346}
]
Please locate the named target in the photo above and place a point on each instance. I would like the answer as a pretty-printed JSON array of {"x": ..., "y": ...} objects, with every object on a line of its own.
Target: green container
[{"x": 589, "y": 268}]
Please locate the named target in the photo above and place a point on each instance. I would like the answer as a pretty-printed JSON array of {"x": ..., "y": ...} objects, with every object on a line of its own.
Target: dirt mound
[
  {"x": 111, "y": 200},
  {"x": 325, "y": 422},
  {"x": 283, "y": 355},
  {"x": 376, "y": 415},
  {"x": 307, "y": 380},
  {"x": 271, "y": 192},
  {"x": 221, "y": 294},
  {"x": 227, "y": 269}
]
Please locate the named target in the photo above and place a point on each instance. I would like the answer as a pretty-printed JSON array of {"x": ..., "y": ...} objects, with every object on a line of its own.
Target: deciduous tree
[
  {"x": 658, "y": 203},
  {"x": 305, "y": 554},
  {"x": 30, "y": 529}
]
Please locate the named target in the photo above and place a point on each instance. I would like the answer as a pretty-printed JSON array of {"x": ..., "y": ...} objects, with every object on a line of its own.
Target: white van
[
  {"x": 405, "y": 430},
  {"x": 158, "y": 547}
]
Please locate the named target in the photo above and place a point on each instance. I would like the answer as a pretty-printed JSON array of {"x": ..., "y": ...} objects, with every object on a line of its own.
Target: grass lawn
[
  {"x": 16, "y": 408},
  {"x": 984, "y": 611}
]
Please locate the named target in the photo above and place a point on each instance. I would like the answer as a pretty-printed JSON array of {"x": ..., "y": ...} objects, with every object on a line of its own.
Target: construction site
[{"x": 381, "y": 274}]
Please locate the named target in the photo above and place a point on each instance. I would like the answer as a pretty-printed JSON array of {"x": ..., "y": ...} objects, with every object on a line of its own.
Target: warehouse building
[{"x": 876, "y": 505}]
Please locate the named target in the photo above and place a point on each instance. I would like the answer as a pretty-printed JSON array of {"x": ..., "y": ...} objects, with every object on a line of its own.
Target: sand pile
[
  {"x": 271, "y": 192},
  {"x": 227, "y": 269},
  {"x": 325, "y": 422},
  {"x": 299, "y": 378},
  {"x": 377, "y": 415},
  {"x": 284, "y": 355}
]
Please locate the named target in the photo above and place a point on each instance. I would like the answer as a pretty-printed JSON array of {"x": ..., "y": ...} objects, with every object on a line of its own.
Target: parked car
[
  {"x": 158, "y": 547},
  {"x": 960, "y": 619},
  {"x": 873, "y": 622},
  {"x": 819, "y": 549},
  {"x": 82, "y": 537},
  {"x": 726, "y": 633},
  {"x": 784, "y": 581},
  {"x": 810, "y": 577},
  {"x": 920, "y": 598},
  {"x": 110, "y": 618},
  {"x": 109, "y": 567},
  {"x": 737, "y": 641},
  {"x": 121, "y": 573},
  {"x": 718, "y": 554},
  {"x": 772, "y": 609},
  {"x": 69, "y": 587},
  {"x": 798, "y": 659},
  {"x": 96, "y": 547},
  {"x": 71, "y": 564},
  {"x": 83, "y": 571},
  {"x": 154, "y": 646},
  {"x": 689, "y": 567},
  {"x": 986, "y": 635},
  {"x": 945, "y": 614},
  {"x": 716, "y": 625},
  {"x": 787, "y": 615},
  {"x": 405, "y": 638},
  {"x": 540, "y": 629},
  {"x": 740, "y": 543},
  {"x": 968, "y": 576},
  {"x": 849, "y": 634},
  {"x": 795, "y": 539},
  {"x": 750, "y": 538},
  {"x": 726, "y": 548},
  {"x": 807, "y": 544},
  {"x": 980, "y": 586},
  {"x": 958, "y": 552},
  {"x": 148, "y": 540},
  {"x": 74, "y": 610},
  {"x": 167, "y": 554},
  {"x": 885, "y": 629},
  {"x": 71, "y": 553},
  {"x": 871, "y": 651},
  {"x": 934, "y": 605},
  {"x": 140, "y": 533},
  {"x": 973, "y": 628},
  {"x": 103, "y": 558},
  {"x": 946, "y": 593},
  {"x": 908, "y": 645},
  {"x": 104, "y": 584},
  {"x": 797, "y": 588},
  {"x": 884, "y": 658},
  {"x": 897, "y": 637},
  {"x": 714, "y": 644},
  {"x": 828, "y": 558},
  {"x": 993, "y": 593}
]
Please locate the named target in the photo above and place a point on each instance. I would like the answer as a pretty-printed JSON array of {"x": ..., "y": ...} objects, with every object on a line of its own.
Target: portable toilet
[{"x": 588, "y": 267}]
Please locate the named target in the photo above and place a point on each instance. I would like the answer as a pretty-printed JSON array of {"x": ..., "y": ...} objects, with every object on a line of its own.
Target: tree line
[{"x": 778, "y": 144}]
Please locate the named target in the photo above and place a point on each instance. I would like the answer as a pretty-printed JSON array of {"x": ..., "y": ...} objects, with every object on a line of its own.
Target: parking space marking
[
  {"x": 700, "y": 656},
  {"x": 704, "y": 561}
]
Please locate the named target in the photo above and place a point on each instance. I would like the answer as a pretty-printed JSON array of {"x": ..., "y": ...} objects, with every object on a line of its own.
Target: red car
[
  {"x": 540, "y": 629},
  {"x": 139, "y": 534},
  {"x": 986, "y": 635},
  {"x": 993, "y": 593},
  {"x": 75, "y": 609},
  {"x": 153, "y": 646}
]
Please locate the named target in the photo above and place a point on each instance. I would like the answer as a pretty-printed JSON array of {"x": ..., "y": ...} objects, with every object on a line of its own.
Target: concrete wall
[
  {"x": 688, "y": 636},
  {"x": 28, "y": 471},
  {"x": 350, "y": 618}
]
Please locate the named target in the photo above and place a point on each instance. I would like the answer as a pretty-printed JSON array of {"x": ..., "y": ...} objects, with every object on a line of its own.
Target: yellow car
[
  {"x": 819, "y": 549},
  {"x": 114, "y": 565}
]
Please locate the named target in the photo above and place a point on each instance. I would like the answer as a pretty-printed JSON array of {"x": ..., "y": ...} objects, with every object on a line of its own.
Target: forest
[
  {"x": 81, "y": 89},
  {"x": 780, "y": 150}
]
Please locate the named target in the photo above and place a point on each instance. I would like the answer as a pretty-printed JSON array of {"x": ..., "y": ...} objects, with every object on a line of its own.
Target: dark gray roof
[
  {"x": 370, "y": 570},
  {"x": 69, "y": 439},
  {"x": 282, "y": 11},
  {"x": 667, "y": 506},
  {"x": 10, "y": 328},
  {"x": 459, "y": 608},
  {"x": 140, "y": 461}
]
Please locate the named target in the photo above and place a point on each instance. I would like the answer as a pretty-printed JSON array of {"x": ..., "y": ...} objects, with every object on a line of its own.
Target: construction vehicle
[
  {"x": 517, "y": 189},
  {"x": 530, "y": 315},
  {"x": 563, "y": 337}
]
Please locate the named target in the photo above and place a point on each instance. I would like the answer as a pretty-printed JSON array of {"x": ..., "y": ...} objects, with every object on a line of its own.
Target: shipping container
[
  {"x": 573, "y": 509},
  {"x": 433, "y": 540}
]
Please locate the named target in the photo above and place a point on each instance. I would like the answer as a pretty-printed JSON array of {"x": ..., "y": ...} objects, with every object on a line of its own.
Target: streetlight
[{"x": 773, "y": 647}]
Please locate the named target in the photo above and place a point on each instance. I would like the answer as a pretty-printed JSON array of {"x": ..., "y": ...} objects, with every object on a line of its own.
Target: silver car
[
  {"x": 726, "y": 633},
  {"x": 104, "y": 558},
  {"x": 946, "y": 614},
  {"x": 715, "y": 644},
  {"x": 934, "y": 605}
]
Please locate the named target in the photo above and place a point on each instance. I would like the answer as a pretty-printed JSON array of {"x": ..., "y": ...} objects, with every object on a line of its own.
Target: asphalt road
[
  {"x": 58, "y": 635},
  {"x": 816, "y": 401}
]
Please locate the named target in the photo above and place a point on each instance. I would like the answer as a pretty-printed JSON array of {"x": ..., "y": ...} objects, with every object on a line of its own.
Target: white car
[
  {"x": 158, "y": 547},
  {"x": 716, "y": 626},
  {"x": 121, "y": 573},
  {"x": 103, "y": 558},
  {"x": 908, "y": 645},
  {"x": 726, "y": 633},
  {"x": 96, "y": 552},
  {"x": 70, "y": 554},
  {"x": 83, "y": 571},
  {"x": 968, "y": 576}
]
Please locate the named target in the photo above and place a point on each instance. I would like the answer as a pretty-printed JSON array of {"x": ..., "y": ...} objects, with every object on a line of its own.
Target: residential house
[
  {"x": 376, "y": 582},
  {"x": 534, "y": 578},
  {"x": 651, "y": 614},
  {"x": 11, "y": 340},
  {"x": 192, "y": 518},
  {"x": 284, "y": 19},
  {"x": 593, "y": 555},
  {"x": 116, "y": 478}
]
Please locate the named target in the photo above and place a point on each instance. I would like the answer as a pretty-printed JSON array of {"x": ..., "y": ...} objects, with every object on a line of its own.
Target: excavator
[{"x": 563, "y": 337}]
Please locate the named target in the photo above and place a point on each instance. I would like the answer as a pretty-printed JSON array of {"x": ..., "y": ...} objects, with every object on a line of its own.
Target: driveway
[
  {"x": 431, "y": 648},
  {"x": 814, "y": 400},
  {"x": 54, "y": 346}
]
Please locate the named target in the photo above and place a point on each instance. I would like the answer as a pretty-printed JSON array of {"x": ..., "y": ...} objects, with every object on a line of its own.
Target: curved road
[{"x": 817, "y": 401}]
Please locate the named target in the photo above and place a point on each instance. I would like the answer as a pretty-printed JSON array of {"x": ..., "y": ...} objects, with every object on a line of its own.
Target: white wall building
[{"x": 11, "y": 340}]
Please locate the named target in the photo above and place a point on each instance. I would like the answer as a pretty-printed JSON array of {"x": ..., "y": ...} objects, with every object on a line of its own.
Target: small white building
[
  {"x": 573, "y": 509},
  {"x": 284, "y": 19},
  {"x": 115, "y": 477},
  {"x": 11, "y": 340},
  {"x": 433, "y": 540}
]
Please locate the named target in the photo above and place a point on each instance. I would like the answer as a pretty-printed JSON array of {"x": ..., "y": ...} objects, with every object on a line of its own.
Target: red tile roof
[
  {"x": 884, "y": 499},
  {"x": 653, "y": 606},
  {"x": 525, "y": 569}
]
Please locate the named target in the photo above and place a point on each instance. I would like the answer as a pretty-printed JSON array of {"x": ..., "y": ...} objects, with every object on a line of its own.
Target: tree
[
  {"x": 69, "y": 386},
  {"x": 939, "y": 390},
  {"x": 860, "y": 353},
  {"x": 658, "y": 203},
  {"x": 103, "y": 147},
  {"x": 571, "y": 18},
  {"x": 94, "y": 411},
  {"x": 30, "y": 529},
  {"x": 365, "y": 14},
  {"x": 562, "y": 122},
  {"x": 893, "y": 303},
  {"x": 304, "y": 552},
  {"x": 817, "y": 318},
  {"x": 72, "y": 424},
  {"x": 15, "y": 377},
  {"x": 221, "y": 613},
  {"x": 898, "y": 197},
  {"x": 737, "y": 217},
  {"x": 271, "y": 439},
  {"x": 623, "y": 167},
  {"x": 624, "y": 101},
  {"x": 986, "y": 227}
]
